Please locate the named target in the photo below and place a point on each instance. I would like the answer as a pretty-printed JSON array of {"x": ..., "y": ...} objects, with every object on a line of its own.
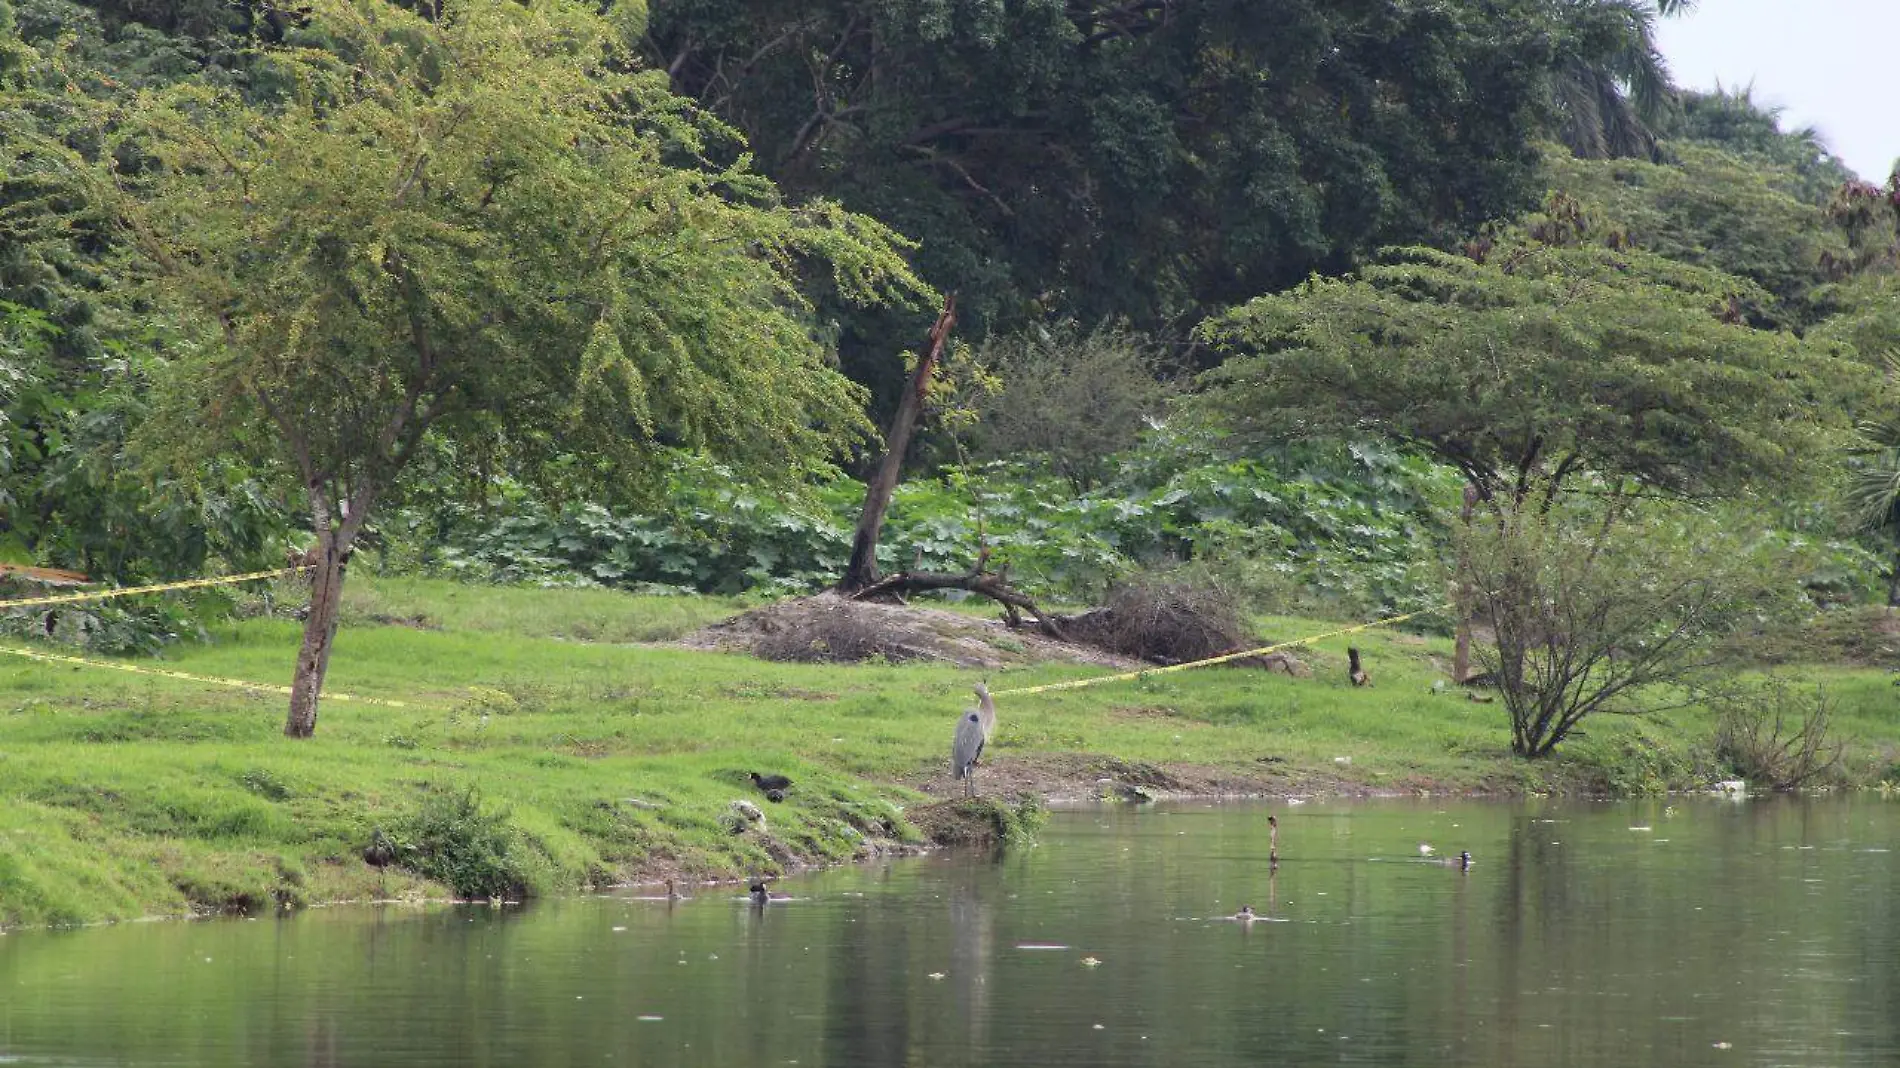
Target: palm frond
[{"x": 1872, "y": 494}]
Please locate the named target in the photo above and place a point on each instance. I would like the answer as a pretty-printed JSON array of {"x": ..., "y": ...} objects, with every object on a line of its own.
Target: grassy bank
[{"x": 600, "y": 756}]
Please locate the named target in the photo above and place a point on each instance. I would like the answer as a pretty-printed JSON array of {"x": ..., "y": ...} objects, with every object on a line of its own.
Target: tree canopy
[
  {"x": 1715, "y": 209},
  {"x": 1530, "y": 358}
]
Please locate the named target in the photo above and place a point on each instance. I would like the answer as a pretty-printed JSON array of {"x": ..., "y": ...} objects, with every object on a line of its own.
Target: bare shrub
[
  {"x": 1775, "y": 733},
  {"x": 1163, "y": 620},
  {"x": 1071, "y": 396},
  {"x": 832, "y": 634},
  {"x": 1591, "y": 616}
]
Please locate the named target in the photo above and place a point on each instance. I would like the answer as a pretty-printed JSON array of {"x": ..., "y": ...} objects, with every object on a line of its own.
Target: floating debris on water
[
  {"x": 1090, "y": 962},
  {"x": 649, "y": 1019},
  {"x": 1039, "y": 945},
  {"x": 936, "y": 975}
]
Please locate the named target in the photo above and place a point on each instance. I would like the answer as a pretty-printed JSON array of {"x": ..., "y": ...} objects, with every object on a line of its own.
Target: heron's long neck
[{"x": 986, "y": 709}]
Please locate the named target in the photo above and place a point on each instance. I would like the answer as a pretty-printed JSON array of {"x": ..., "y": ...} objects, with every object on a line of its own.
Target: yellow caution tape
[
  {"x": 1076, "y": 684},
  {"x": 214, "y": 680},
  {"x": 127, "y": 591}
]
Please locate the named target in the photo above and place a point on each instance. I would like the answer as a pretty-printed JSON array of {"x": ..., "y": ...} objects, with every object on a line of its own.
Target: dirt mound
[
  {"x": 979, "y": 820},
  {"x": 829, "y": 628}
]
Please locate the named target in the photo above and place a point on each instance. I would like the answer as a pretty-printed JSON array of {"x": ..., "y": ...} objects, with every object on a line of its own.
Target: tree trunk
[
  {"x": 319, "y": 630},
  {"x": 1893, "y": 580},
  {"x": 861, "y": 572},
  {"x": 1461, "y": 650}
]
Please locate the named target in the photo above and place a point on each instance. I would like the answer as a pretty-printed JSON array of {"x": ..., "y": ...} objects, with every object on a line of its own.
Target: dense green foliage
[
  {"x": 77, "y": 360},
  {"x": 1732, "y": 121},
  {"x": 1341, "y": 530},
  {"x": 69, "y": 497},
  {"x": 1148, "y": 161},
  {"x": 1713, "y": 209}
]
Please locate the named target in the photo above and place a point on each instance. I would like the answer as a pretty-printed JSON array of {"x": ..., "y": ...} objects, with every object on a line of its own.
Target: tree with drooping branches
[{"x": 479, "y": 231}]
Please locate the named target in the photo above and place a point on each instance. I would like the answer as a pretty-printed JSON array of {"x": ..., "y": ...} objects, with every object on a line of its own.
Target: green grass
[
  {"x": 587, "y": 615},
  {"x": 127, "y": 795}
]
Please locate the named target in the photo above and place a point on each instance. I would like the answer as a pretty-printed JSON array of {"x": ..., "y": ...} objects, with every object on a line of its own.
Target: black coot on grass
[{"x": 773, "y": 786}]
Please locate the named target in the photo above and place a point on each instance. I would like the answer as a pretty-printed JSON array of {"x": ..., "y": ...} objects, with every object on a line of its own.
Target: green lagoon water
[{"x": 1683, "y": 932}]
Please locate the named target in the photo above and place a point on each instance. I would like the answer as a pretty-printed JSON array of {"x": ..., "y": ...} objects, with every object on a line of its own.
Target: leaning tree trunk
[
  {"x": 319, "y": 632},
  {"x": 861, "y": 572},
  {"x": 1461, "y": 649}
]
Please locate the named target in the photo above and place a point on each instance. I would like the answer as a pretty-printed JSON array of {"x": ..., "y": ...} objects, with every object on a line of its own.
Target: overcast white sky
[{"x": 1831, "y": 64}]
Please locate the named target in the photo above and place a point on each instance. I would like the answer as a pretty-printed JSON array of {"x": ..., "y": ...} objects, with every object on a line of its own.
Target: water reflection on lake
[{"x": 1693, "y": 931}]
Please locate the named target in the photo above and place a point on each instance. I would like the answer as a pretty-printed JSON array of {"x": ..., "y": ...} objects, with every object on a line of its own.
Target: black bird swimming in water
[{"x": 773, "y": 786}]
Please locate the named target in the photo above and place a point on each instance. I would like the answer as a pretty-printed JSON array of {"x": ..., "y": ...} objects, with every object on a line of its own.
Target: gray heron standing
[{"x": 973, "y": 730}]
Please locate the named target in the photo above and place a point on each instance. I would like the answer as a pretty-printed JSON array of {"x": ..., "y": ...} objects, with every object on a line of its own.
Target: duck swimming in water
[
  {"x": 759, "y": 895},
  {"x": 1245, "y": 915}
]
